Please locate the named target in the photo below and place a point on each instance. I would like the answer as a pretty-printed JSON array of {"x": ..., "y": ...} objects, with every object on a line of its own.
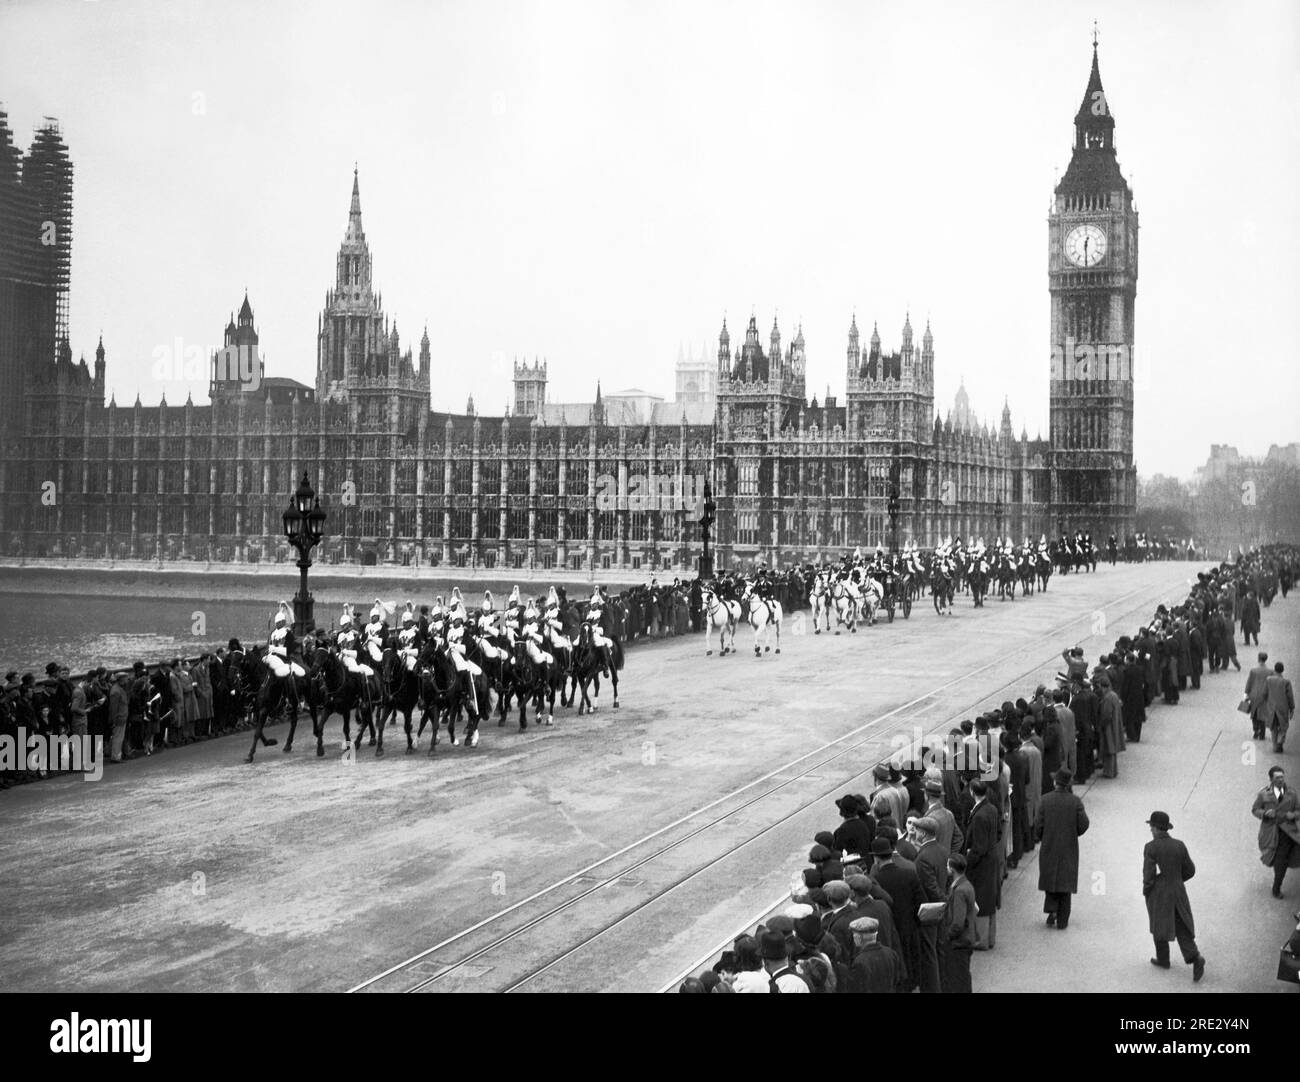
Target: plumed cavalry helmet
[
  {"x": 487, "y": 600},
  {"x": 514, "y": 601},
  {"x": 552, "y": 599},
  {"x": 436, "y": 612},
  {"x": 530, "y": 612},
  {"x": 346, "y": 619},
  {"x": 408, "y": 617},
  {"x": 282, "y": 614}
]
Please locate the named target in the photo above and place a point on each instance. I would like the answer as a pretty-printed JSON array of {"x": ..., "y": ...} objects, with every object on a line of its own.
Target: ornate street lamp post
[
  {"x": 706, "y": 520},
  {"x": 893, "y": 505},
  {"x": 304, "y": 525},
  {"x": 998, "y": 512}
]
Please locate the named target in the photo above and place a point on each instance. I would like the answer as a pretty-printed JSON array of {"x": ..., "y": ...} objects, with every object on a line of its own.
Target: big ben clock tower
[{"x": 1092, "y": 262}]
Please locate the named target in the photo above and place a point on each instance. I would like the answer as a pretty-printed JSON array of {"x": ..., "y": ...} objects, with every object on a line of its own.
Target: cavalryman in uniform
[
  {"x": 456, "y": 647},
  {"x": 349, "y": 643},
  {"x": 282, "y": 647},
  {"x": 554, "y": 626},
  {"x": 408, "y": 648},
  {"x": 375, "y": 634},
  {"x": 531, "y": 633},
  {"x": 595, "y": 609}
]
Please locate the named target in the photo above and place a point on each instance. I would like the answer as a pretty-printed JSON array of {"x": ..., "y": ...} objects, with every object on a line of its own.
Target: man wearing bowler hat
[{"x": 1166, "y": 866}]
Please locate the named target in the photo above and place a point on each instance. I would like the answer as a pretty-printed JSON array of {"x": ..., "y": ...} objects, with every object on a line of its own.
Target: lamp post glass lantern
[
  {"x": 706, "y": 520},
  {"x": 304, "y": 526}
]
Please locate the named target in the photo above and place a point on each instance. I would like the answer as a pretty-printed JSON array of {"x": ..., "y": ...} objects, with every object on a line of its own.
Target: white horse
[
  {"x": 722, "y": 615},
  {"x": 762, "y": 614},
  {"x": 844, "y": 597},
  {"x": 872, "y": 595},
  {"x": 820, "y": 599}
]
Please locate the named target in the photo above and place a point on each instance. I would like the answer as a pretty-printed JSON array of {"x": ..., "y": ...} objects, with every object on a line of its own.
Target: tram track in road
[{"x": 413, "y": 974}]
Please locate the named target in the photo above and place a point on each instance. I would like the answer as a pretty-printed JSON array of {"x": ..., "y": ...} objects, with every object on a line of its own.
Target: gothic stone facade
[{"x": 793, "y": 478}]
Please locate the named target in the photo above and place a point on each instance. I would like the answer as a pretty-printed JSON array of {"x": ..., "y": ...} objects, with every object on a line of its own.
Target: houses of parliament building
[{"x": 615, "y": 483}]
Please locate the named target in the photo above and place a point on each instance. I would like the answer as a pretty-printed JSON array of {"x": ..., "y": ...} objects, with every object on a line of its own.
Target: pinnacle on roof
[
  {"x": 355, "y": 210},
  {"x": 853, "y": 326},
  {"x": 875, "y": 334},
  {"x": 245, "y": 309},
  {"x": 798, "y": 337}
]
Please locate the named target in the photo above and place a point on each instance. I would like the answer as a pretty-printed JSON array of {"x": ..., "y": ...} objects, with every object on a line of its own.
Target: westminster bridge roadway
[{"x": 613, "y": 852}]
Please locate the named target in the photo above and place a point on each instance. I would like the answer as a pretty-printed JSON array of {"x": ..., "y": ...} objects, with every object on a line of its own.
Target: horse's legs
[{"x": 386, "y": 711}]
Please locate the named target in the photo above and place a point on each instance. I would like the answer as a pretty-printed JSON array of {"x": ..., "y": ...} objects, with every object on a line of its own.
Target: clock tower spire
[{"x": 1092, "y": 280}]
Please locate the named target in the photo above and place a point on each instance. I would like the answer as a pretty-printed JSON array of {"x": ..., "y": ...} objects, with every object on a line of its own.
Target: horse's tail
[{"x": 616, "y": 651}]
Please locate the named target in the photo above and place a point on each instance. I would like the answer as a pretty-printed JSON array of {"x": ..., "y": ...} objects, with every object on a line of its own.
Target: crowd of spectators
[{"x": 901, "y": 893}]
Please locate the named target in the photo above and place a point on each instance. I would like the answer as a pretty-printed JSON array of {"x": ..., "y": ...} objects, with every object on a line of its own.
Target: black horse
[
  {"x": 341, "y": 692},
  {"x": 276, "y": 693},
  {"x": 589, "y": 664},
  {"x": 443, "y": 693},
  {"x": 402, "y": 694}
]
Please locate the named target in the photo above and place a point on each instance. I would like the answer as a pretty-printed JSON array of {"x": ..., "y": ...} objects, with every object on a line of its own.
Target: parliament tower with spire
[
  {"x": 358, "y": 353},
  {"x": 1092, "y": 279}
]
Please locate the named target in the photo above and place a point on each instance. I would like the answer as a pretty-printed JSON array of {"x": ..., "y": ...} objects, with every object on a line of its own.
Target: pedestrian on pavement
[
  {"x": 1166, "y": 867},
  {"x": 1256, "y": 695},
  {"x": 119, "y": 704},
  {"x": 982, "y": 864},
  {"x": 1229, "y": 646},
  {"x": 932, "y": 871},
  {"x": 959, "y": 924},
  {"x": 1281, "y": 705},
  {"x": 875, "y": 968},
  {"x": 1061, "y": 821},
  {"x": 1109, "y": 727},
  {"x": 1020, "y": 825},
  {"x": 904, "y": 888},
  {"x": 950, "y": 834},
  {"x": 1132, "y": 695},
  {"x": 1250, "y": 619},
  {"x": 1084, "y": 705},
  {"x": 1032, "y": 746},
  {"x": 1196, "y": 644},
  {"x": 853, "y": 836},
  {"x": 1277, "y": 807}
]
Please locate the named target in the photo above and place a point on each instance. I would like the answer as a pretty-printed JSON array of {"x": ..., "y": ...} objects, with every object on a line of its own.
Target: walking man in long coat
[
  {"x": 1166, "y": 866},
  {"x": 1109, "y": 727},
  {"x": 1256, "y": 694},
  {"x": 982, "y": 865},
  {"x": 1278, "y": 810},
  {"x": 1061, "y": 821}
]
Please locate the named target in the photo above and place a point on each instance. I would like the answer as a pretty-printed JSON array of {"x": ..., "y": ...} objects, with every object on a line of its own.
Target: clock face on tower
[{"x": 1085, "y": 245}]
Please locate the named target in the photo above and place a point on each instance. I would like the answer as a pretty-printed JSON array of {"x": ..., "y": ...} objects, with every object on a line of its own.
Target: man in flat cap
[
  {"x": 1166, "y": 866},
  {"x": 958, "y": 928},
  {"x": 932, "y": 871},
  {"x": 950, "y": 835},
  {"x": 836, "y": 922},
  {"x": 1061, "y": 821},
  {"x": 875, "y": 967},
  {"x": 870, "y": 900}
]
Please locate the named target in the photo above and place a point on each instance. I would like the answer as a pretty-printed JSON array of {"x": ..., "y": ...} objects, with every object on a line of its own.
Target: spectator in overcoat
[{"x": 1061, "y": 822}]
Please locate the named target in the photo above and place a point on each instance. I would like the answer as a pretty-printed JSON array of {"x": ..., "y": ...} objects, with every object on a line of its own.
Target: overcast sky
[{"x": 598, "y": 183}]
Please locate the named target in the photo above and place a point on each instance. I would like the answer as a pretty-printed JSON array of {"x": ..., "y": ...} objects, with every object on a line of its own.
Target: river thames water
[{"x": 115, "y": 625}]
